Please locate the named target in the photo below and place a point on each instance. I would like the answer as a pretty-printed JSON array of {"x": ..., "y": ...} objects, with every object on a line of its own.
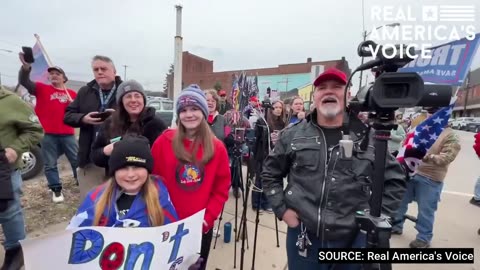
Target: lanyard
[{"x": 104, "y": 102}]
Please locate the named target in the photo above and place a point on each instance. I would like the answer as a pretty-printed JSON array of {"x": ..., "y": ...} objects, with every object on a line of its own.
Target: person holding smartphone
[
  {"x": 51, "y": 102},
  {"x": 98, "y": 96},
  {"x": 131, "y": 117}
]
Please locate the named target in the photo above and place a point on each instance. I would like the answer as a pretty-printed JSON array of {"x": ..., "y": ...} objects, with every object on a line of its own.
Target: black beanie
[{"x": 131, "y": 151}]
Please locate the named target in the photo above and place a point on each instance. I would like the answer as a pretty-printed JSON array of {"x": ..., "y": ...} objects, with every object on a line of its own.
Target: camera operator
[
  {"x": 325, "y": 190},
  {"x": 276, "y": 122}
]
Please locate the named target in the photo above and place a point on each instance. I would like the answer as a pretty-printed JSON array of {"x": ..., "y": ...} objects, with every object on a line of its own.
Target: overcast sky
[{"x": 235, "y": 34}]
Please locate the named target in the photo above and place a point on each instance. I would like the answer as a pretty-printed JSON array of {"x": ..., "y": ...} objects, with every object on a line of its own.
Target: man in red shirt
[{"x": 52, "y": 100}]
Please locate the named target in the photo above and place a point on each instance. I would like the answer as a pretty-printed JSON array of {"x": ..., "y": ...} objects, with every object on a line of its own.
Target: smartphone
[
  {"x": 103, "y": 115},
  {"x": 28, "y": 54}
]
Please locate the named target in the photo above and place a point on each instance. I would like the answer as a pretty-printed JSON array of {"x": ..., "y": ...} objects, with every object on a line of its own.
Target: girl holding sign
[
  {"x": 194, "y": 163},
  {"x": 132, "y": 198},
  {"x": 125, "y": 200}
]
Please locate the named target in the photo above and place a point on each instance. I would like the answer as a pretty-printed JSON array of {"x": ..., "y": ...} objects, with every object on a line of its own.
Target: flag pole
[{"x": 49, "y": 62}]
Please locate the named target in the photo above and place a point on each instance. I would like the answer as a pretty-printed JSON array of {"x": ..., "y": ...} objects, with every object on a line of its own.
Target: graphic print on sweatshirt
[{"x": 189, "y": 176}]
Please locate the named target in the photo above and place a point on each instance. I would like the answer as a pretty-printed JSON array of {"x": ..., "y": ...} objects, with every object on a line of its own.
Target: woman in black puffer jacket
[{"x": 131, "y": 117}]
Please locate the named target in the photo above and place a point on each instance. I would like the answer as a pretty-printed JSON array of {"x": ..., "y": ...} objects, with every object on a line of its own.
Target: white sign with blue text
[{"x": 173, "y": 246}]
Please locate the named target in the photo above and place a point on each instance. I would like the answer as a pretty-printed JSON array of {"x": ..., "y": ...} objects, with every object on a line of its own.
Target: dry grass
[{"x": 39, "y": 209}]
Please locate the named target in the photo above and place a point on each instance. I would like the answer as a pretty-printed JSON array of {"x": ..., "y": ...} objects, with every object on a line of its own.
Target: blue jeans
[
  {"x": 295, "y": 261},
  {"x": 53, "y": 146},
  {"x": 12, "y": 220},
  {"x": 476, "y": 194},
  {"x": 426, "y": 192}
]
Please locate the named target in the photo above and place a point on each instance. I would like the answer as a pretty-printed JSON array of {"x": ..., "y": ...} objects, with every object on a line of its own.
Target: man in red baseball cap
[
  {"x": 224, "y": 105},
  {"x": 329, "y": 96},
  {"x": 325, "y": 188}
]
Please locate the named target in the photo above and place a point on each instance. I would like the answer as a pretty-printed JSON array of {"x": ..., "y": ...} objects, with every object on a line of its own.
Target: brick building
[
  {"x": 468, "y": 102},
  {"x": 200, "y": 71}
]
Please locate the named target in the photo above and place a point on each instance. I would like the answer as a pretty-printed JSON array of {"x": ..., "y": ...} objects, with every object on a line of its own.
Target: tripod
[
  {"x": 377, "y": 225},
  {"x": 243, "y": 219},
  {"x": 237, "y": 182},
  {"x": 257, "y": 221},
  {"x": 260, "y": 190}
]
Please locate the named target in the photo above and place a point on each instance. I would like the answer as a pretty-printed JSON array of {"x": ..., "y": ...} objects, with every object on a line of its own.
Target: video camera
[{"x": 391, "y": 89}]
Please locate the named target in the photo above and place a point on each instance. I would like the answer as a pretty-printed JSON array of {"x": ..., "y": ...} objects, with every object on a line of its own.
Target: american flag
[{"x": 419, "y": 140}]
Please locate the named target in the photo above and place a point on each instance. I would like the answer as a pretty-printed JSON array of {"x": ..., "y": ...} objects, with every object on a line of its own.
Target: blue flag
[{"x": 449, "y": 63}]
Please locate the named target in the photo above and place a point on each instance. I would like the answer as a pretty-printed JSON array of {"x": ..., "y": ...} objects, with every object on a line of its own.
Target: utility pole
[
  {"x": 177, "y": 63},
  {"x": 467, "y": 90},
  {"x": 0, "y": 79},
  {"x": 125, "y": 72}
]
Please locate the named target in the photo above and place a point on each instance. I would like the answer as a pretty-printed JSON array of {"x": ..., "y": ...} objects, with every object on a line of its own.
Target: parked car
[
  {"x": 163, "y": 108},
  {"x": 473, "y": 127},
  {"x": 461, "y": 122},
  {"x": 32, "y": 163}
]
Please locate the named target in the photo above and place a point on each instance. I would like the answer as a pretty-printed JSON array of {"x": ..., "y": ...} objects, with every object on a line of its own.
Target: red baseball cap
[
  {"x": 222, "y": 93},
  {"x": 254, "y": 99},
  {"x": 331, "y": 74}
]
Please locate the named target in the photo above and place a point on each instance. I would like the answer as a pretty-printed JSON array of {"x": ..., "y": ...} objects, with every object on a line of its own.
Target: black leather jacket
[{"x": 326, "y": 194}]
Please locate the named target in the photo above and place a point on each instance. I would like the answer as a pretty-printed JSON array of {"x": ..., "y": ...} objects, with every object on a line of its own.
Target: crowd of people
[{"x": 135, "y": 171}]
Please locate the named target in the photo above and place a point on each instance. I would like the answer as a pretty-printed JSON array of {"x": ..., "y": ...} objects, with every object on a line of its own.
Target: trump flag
[{"x": 449, "y": 63}]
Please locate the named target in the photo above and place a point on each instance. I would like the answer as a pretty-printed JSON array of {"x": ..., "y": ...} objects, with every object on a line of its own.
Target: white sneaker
[
  {"x": 216, "y": 233},
  {"x": 57, "y": 197}
]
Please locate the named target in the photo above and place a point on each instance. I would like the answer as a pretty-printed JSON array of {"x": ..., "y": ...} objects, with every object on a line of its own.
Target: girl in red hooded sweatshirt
[{"x": 194, "y": 164}]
